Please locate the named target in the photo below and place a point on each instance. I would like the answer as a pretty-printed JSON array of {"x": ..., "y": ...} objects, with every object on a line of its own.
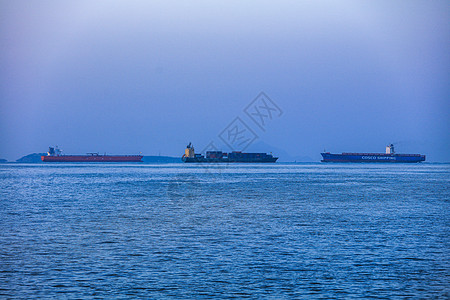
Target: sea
[{"x": 193, "y": 231}]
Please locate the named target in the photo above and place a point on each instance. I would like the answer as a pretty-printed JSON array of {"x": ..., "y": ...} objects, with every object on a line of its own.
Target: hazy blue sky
[{"x": 149, "y": 76}]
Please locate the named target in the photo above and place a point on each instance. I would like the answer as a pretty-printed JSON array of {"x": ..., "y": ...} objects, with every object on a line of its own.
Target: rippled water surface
[{"x": 196, "y": 231}]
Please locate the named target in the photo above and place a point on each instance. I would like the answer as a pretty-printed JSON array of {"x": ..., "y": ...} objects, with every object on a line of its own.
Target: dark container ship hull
[
  {"x": 222, "y": 157},
  {"x": 226, "y": 160},
  {"x": 92, "y": 158},
  {"x": 372, "y": 158}
]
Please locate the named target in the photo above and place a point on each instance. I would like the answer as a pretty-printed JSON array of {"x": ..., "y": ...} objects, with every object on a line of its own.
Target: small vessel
[
  {"x": 222, "y": 157},
  {"x": 389, "y": 157},
  {"x": 54, "y": 154}
]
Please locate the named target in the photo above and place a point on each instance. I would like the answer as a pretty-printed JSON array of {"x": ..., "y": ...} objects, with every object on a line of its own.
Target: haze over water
[
  {"x": 196, "y": 231},
  {"x": 150, "y": 76}
]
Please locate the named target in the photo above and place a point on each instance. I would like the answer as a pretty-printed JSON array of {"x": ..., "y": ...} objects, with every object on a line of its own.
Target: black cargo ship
[
  {"x": 222, "y": 157},
  {"x": 389, "y": 157}
]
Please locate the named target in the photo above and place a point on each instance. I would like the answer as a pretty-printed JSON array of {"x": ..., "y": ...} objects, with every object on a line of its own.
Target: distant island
[
  {"x": 161, "y": 159},
  {"x": 31, "y": 158},
  {"x": 36, "y": 158},
  {"x": 3, "y": 160}
]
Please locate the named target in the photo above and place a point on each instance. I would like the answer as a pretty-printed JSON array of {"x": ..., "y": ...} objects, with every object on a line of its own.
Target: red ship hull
[{"x": 92, "y": 158}]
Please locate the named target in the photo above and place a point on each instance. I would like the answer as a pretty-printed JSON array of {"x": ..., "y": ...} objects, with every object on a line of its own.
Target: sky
[{"x": 125, "y": 77}]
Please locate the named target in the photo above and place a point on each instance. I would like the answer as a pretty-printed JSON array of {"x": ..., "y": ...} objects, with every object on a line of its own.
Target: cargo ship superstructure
[
  {"x": 222, "y": 157},
  {"x": 389, "y": 157},
  {"x": 54, "y": 154}
]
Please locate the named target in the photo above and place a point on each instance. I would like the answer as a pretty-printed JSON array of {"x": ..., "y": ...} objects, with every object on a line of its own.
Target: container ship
[
  {"x": 389, "y": 157},
  {"x": 222, "y": 157},
  {"x": 55, "y": 155}
]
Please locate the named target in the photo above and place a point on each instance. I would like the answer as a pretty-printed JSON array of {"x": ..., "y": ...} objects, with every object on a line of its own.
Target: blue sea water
[{"x": 179, "y": 231}]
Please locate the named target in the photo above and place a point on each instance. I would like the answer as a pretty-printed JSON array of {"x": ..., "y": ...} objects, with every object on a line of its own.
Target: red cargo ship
[{"x": 55, "y": 155}]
